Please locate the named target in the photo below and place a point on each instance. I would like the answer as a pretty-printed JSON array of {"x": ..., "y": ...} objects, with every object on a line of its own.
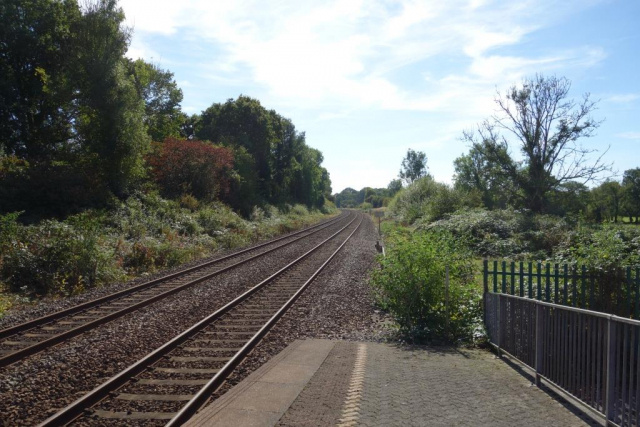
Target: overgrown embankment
[
  {"x": 142, "y": 234},
  {"x": 430, "y": 225}
]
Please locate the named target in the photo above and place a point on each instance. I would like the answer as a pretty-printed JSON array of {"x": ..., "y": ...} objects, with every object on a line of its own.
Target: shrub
[
  {"x": 191, "y": 167},
  {"x": 299, "y": 210},
  {"x": 605, "y": 251},
  {"x": 505, "y": 233},
  {"x": 189, "y": 202},
  {"x": 57, "y": 257},
  {"x": 411, "y": 285},
  {"x": 427, "y": 200}
]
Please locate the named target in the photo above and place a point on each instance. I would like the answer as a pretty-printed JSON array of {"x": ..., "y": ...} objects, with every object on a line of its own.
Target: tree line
[
  {"x": 82, "y": 124},
  {"x": 551, "y": 176}
]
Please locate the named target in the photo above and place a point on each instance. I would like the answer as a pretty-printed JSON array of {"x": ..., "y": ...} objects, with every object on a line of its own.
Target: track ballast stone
[{"x": 33, "y": 389}]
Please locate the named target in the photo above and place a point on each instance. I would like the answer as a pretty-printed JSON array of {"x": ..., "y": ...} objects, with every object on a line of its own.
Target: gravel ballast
[{"x": 36, "y": 387}]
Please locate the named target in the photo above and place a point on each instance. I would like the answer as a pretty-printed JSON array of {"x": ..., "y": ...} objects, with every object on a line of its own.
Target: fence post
[
  {"x": 499, "y": 334},
  {"x": 610, "y": 390},
  {"x": 485, "y": 285},
  {"x": 539, "y": 354}
]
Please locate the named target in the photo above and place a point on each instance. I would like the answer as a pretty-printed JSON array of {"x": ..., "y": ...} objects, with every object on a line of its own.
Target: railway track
[
  {"x": 34, "y": 336},
  {"x": 173, "y": 382}
]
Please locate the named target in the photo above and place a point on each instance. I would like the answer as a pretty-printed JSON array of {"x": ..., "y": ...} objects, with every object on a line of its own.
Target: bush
[
  {"x": 505, "y": 233},
  {"x": 299, "y": 210},
  {"x": 427, "y": 200},
  {"x": 411, "y": 285},
  {"x": 141, "y": 234},
  {"x": 605, "y": 251},
  {"x": 57, "y": 257},
  {"x": 198, "y": 168}
]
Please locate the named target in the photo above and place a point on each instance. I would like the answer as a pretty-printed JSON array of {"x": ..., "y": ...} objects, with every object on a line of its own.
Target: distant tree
[
  {"x": 607, "y": 198},
  {"x": 570, "y": 198},
  {"x": 474, "y": 172},
  {"x": 414, "y": 166},
  {"x": 547, "y": 127},
  {"x": 394, "y": 186},
  {"x": 162, "y": 98},
  {"x": 631, "y": 189}
]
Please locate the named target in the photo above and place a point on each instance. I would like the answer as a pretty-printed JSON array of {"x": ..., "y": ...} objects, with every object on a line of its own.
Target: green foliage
[
  {"x": 162, "y": 96},
  {"x": 36, "y": 88},
  {"x": 505, "y": 233},
  {"x": 273, "y": 162},
  {"x": 56, "y": 257},
  {"x": 411, "y": 285},
  {"x": 376, "y": 197},
  {"x": 631, "y": 193},
  {"x": 546, "y": 127},
  {"x": 414, "y": 166},
  {"x": 476, "y": 173},
  {"x": 605, "y": 251},
  {"x": 140, "y": 234},
  {"x": 427, "y": 200}
]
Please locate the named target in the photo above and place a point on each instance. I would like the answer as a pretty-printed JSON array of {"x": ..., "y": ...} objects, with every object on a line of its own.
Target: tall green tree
[
  {"x": 546, "y": 126},
  {"x": 242, "y": 122},
  {"x": 476, "y": 172},
  {"x": 394, "y": 186},
  {"x": 414, "y": 166},
  {"x": 37, "y": 55},
  {"x": 631, "y": 189},
  {"x": 607, "y": 199},
  {"x": 162, "y": 97},
  {"x": 110, "y": 119}
]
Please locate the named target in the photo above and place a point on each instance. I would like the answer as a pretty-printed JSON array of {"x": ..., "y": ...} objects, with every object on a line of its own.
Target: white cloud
[
  {"x": 342, "y": 53},
  {"x": 629, "y": 135},
  {"x": 623, "y": 98}
]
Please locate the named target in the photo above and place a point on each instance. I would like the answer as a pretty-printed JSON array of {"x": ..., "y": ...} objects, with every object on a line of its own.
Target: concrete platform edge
[{"x": 265, "y": 395}]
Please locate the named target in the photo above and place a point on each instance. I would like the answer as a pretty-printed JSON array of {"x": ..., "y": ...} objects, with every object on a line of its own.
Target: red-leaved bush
[{"x": 198, "y": 168}]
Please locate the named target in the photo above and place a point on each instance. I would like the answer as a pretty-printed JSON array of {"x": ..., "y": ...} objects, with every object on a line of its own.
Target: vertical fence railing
[
  {"x": 593, "y": 356},
  {"x": 617, "y": 292}
]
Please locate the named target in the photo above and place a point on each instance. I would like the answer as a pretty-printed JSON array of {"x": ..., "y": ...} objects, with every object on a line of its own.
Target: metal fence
[
  {"x": 594, "y": 357},
  {"x": 616, "y": 292}
]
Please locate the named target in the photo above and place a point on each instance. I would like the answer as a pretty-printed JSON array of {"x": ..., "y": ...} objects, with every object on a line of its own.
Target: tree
[
  {"x": 162, "y": 98},
  {"x": 474, "y": 172},
  {"x": 570, "y": 198},
  {"x": 414, "y": 166},
  {"x": 191, "y": 167},
  {"x": 547, "y": 127},
  {"x": 37, "y": 39},
  {"x": 631, "y": 189},
  {"x": 607, "y": 198},
  {"x": 110, "y": 115},
  {"x": 394, "y": 186}
]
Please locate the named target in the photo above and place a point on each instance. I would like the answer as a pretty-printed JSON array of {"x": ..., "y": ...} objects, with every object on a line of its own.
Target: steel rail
[
  {"x": 80, "y": 406},
  {"x": 39, "y": 346},
  {"x": 203, "y": 396}
]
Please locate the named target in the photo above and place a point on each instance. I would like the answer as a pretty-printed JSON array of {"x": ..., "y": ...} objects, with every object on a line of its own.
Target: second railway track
[
  {"x": 28, "y": 338},
  {"x": 177, "y": 379}
]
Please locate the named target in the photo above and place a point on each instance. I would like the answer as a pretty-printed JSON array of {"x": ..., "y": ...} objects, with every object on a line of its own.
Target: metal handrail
[{"x": 592, "y": 356}]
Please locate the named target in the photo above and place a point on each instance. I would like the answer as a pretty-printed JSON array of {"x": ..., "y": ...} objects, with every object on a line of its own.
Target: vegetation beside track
[
  {"x": 142, "y": 234},
  {"x": 534, "y": 208}
]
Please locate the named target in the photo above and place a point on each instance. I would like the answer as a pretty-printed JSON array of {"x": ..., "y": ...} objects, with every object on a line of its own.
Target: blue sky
[{"x": 366, "y": 80}]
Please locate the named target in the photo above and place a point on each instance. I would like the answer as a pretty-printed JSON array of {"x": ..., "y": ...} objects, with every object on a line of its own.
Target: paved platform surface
[{"x": 329, "y": 383}]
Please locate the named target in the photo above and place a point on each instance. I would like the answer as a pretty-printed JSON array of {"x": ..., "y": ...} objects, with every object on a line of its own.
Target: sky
[{"x": 366, "y": 80}]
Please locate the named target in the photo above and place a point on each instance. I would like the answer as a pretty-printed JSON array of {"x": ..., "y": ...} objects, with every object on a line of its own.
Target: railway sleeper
[{"x": 129, "y": 415}]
